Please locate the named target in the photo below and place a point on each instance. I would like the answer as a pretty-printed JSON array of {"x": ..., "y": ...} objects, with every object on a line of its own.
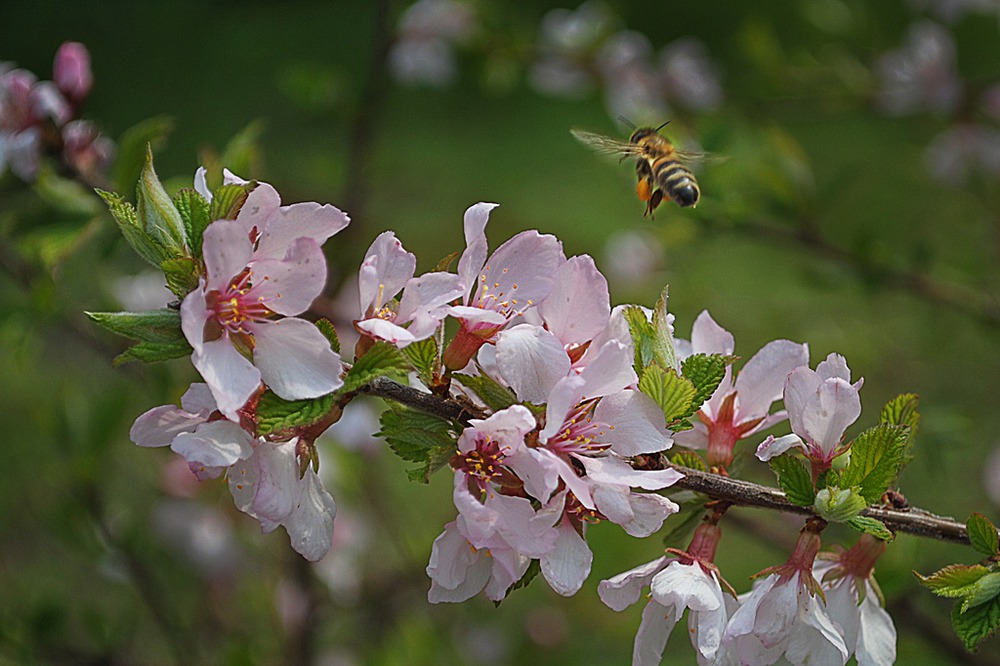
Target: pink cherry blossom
[
  {"x": 853, "y": 601},
  {"x": 270, "y": 486},
  {"x": 264, "y": 477},
  {"x": 685, "y": 582},
  {"x": 210, "y": 444},
  {"x": 517, "y": 276},
  {"x": 785, "y": 615},
  {"x": 387, "y": 269},
  {"x": 822, "y": 404},
  {"x": 738, "y": 408},
  {"x": 245, "y": 304}
]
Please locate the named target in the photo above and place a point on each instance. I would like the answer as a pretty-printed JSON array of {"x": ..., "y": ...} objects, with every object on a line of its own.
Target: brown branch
[{"x": 743, "y": 493}]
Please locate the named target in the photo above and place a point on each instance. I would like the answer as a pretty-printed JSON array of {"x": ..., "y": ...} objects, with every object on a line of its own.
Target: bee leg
[{"x": 654, "y": 201}]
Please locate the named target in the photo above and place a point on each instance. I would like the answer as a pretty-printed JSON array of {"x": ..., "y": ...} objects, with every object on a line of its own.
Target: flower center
[
  {"x": 580, "y": 434},
  {"x": 238, "y": 305}
]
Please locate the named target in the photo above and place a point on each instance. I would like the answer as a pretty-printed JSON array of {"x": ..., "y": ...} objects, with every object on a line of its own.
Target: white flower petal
[
  {"x": 567, "y": 566},
  {"x": 637, "y": 423},
  {"x": 214, "y": 444},
  {"x": 579, "y": 305},
  {"x": 762, "y": 379},
  {"x": 621, "y": 591},
  {"x": 310, "y": 524},
  {"x": 651, "y": 639}
]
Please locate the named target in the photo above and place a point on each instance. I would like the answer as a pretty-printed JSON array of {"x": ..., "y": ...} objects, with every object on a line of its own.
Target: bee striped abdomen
[{"x": 677, "y": 181}]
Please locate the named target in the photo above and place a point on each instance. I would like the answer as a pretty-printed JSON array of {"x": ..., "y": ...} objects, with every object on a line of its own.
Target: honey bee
[{"x": 659, "y": 169}]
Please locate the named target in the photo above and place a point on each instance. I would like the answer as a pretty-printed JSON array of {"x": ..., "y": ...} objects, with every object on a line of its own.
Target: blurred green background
[{"x": 846, "y": 214}]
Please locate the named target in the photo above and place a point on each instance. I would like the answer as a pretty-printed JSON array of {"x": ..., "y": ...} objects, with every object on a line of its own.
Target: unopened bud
[{"x": 71, "y": 71}]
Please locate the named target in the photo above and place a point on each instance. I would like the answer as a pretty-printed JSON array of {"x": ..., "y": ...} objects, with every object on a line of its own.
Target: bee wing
[
  {"x": 699, "y": 157},
  {"x": 606, "y": 144}
]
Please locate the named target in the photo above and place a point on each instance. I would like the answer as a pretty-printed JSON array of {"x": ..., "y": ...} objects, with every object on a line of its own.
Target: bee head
[{"x": 641, "y": 133}]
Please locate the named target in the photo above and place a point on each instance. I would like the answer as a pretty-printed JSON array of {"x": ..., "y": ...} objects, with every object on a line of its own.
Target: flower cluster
[
  {"x": 568, "y": 406},
  {"x": 260, "y": 270},
  {"x": 39, "y": 118}
]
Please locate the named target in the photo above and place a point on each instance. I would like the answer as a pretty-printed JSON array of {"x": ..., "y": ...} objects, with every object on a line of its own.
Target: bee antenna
[
  {"x": 662, "y": 126},
  {"x": 628, "y": 123}
]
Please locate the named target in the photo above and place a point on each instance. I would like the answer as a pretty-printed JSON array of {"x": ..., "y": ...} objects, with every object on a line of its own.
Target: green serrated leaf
[
  {"x": 127, "y": 219},
  {"x": 664, "y": 334},
  {"x": 130, "y": 151},
  {"x": 194, "y": 210},
  {"x": 672, "y": 393},
  {"x": 794, "y": 480},
  {"x": 277, "y": 415},
  {"x": 706, "y": 373},
  {"x": 423, "y": 354},
  {"x": 227, "y": 200},
  {"x": 490, "y": 391},
  {"x": 159, "y": 326},
  {"x": 417, "y": 436},
  {"x": 983, "y": 534},
  {"x": 977, "y": 622},
  {"x": 181, "y": 275},
  {"x": 954, "y": 580},
  {"x": 156, "y": 211},
  {"x": 838, "y": 505},
  {"x": 382, "y": 360},
  {"x": 902, "y": 411},
  {"x": 154, "y": 352},
  {"x": 690, "y": 459},
  {"x": 326, "y": 327},
  {"x": 876, "y": 455},
  {"x": 871, "y": 526}
]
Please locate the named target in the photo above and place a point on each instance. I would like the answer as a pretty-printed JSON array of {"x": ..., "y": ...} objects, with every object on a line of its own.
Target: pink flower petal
[
  {"x": 391, "y": 267},
  {"x": 160, "y": 425},
  {"x": 214, "y": 444},
  {"x": 579, "y": 305},
  {"x": 232, "y": 378},
  {"x": 568, "y": 565},
  {"x": 227, "y": 250},
  {"x": 637, "y": 424},
  {"x": 295, "y": 359},
  {"x": 289, "y": 286},
  {"x": 762, "y": 379},
  {"x": 707, "y": 337},
  {"x": 302, "y": 220},
  {"x": 474, "y": 256},
  {"x": 531, "y": 360}
]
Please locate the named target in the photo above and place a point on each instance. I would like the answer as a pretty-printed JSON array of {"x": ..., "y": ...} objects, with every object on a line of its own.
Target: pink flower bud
[{"x": 71, "y": 71}]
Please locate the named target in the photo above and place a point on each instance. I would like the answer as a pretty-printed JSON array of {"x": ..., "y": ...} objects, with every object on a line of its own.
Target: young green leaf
[
  {"x": 382, "y": 360},
  {"x": 955, "y": 580},
  {"x": 154, "y": 352},
  {"x": 663, "y": 326},
  {"x": 875, "y": 458},
  {"x": 127, "y": 219},
  {"x": 643, "y": 338},
  {"x": 902, "y": 411},
  {"x": 495, "y": 395},
  {"x": 871, "y": 526},
  {"x": 672, "y": 393},
  {"x": 794, "y": 479},
  {"x": 705, "y": 372},
  {"x": 424, "y": 356},
  {"x": 227, "y": 200},
  {"x": 150, "y": 326},
  {"x": 276, "y": 415},
  {"x": 181, "y": 274},
  {"x": 156, "y": 211},
  {"x": 194, "y": 212},
  {"x": 983, "y": 535},
  {"x": 977, "y": 622},
  {"x": 838, "y": 504}
]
